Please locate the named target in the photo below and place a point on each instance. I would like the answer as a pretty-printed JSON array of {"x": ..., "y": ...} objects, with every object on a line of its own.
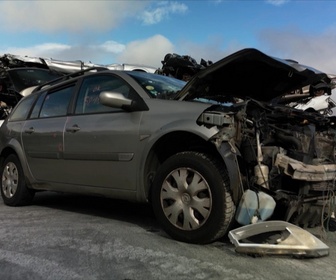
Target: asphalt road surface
[{"x": 76, "y": 237}]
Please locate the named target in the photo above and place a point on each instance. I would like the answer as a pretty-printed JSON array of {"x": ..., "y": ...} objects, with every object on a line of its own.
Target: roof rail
[{"x": 69, "y": 76}]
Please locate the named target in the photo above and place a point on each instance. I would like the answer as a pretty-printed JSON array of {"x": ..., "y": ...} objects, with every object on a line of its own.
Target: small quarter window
[{"x": 21, "y": 111}]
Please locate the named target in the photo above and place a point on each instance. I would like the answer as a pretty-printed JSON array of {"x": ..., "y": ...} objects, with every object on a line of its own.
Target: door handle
[
  {"x": 30, "y": 130},
  {"x": 74, "y": 128}
]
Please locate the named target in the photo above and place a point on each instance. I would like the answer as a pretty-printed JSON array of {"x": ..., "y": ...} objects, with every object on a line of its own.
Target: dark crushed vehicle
[
  {"x": 192, "y": 150},
  {"x": 181, "y": 67},
  {"x": 18, "y": 77}
]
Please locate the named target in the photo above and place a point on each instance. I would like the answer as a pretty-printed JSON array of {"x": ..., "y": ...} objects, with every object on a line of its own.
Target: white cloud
[
  {"x": 76, "y": 16},
  {"x": 79, "y": 21},
  {"x": 211, "y": 49},
  {"x": 42, "y": 50},
  {"x": 313, "y": 50},
  {"x": 162, "y": 11},
  {"x": 149, "y": 51},
  {"x": 110, "y": 47},
  {"x": 79, "y": 16}
]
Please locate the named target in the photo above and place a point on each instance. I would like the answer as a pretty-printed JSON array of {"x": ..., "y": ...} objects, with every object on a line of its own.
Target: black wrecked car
[
  {"x": 14, "y": 81},
  {"x": 17, "y": 79}
]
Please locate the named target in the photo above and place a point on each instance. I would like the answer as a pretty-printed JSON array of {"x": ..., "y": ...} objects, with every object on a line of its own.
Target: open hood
[{"x": 251, "y": 73}]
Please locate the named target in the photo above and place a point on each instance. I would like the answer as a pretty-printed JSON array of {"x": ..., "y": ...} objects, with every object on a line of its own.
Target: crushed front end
[
  {"x": 283, "y": 152},
  {"x": 268, "y": 146},
  {"x": 290, "y": 155}
]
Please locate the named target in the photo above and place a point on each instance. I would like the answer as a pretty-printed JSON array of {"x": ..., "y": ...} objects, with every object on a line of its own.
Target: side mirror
[
  {"x": 117, "y": 100},
  {"x": 114, "y": 99}
]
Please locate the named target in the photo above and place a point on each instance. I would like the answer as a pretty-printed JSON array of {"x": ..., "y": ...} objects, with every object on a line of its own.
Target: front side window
[
  {"x": 88, "y": 99},
  {"x": 56, "y": 103}
]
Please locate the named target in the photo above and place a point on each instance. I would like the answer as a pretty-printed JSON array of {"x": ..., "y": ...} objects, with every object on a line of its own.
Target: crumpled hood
[{"x": 251, "y": 73}]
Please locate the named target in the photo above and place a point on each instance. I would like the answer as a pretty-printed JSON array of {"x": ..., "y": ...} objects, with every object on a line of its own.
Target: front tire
[
  {"x": 14, "y": 190},
  {"x": 191, "y": 198}
]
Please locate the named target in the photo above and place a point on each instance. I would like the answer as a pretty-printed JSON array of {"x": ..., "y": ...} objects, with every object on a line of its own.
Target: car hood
[{"x": 251, "y": 73}]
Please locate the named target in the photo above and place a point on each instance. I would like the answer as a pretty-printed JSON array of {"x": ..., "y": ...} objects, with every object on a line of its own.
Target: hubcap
[
  {"x": 186, "y": 199},
  {"x": 10, "y": 180}
]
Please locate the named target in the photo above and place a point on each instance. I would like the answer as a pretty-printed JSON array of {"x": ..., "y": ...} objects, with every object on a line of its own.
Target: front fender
[{"x": 229, "y": 154}]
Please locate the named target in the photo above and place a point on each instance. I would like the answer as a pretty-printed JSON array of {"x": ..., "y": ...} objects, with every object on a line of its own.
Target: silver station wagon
[{"x": 192, "y": 149}]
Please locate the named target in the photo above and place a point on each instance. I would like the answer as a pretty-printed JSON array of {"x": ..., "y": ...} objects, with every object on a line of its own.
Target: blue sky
[{"x": 144, "y": 31}]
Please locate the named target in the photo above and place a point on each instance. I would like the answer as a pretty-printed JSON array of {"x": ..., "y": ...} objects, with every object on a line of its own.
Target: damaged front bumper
[
  {"x": 306, "y": 172},
  {"x": 277, "y": 238}
]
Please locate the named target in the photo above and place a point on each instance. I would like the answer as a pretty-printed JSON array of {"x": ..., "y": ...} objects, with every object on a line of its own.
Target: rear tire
[
  {"x": 14, "y": 190},
  {"x": 191, "y": 198}
]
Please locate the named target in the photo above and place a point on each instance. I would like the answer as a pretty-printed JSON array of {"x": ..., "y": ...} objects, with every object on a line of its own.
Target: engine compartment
[
  {"x": 294, "y": 153},
  {"x": 284, "y": 152}
]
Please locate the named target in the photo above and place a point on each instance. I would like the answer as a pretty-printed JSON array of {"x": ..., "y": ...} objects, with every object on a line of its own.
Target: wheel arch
[
  {"x": 170, "y": 144},
  {"x": 14, "y": 148}
]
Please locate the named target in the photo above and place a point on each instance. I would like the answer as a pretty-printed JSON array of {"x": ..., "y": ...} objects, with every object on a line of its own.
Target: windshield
[
  {"x": 25, "y": 78},
  {"x": 158, "y": 86}
]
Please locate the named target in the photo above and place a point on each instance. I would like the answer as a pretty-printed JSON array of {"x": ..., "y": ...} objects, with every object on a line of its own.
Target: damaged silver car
[
  {"x": 201, "y": 153},
  {"x": 67, "y": 67}
]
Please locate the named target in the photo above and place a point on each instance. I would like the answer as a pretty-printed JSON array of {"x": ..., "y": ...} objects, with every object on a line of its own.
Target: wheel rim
[
  {"x": 186, "y": 199},
  {"x": 10, "y": 179}
]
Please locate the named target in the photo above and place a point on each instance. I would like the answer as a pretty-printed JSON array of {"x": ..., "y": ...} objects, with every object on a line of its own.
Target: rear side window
[
  {"x": 56, "y": 103},
  {"x": 21, "y": 111}
]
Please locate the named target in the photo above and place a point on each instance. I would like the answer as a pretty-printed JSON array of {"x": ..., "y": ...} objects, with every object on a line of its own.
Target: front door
[{"x": 100, "y": 142}]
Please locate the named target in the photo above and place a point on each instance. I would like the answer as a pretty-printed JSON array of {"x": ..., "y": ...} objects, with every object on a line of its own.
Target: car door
[
  {"x": 42, "y": 134},
  {"x": 100, "y": 142}
]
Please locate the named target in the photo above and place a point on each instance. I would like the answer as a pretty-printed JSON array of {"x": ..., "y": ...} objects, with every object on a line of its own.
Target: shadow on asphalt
[{"x": 140, "y": 214}]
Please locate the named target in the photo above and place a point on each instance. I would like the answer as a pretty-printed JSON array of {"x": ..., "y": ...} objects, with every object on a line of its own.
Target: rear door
[{"x": 42, "y": 134}]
